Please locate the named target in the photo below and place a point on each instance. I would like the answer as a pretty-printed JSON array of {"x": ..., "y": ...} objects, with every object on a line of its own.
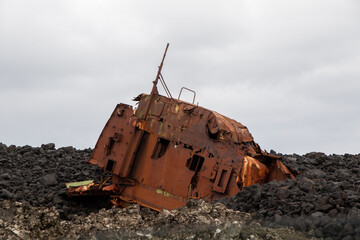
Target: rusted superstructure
[{"x": 167, "y": 151}]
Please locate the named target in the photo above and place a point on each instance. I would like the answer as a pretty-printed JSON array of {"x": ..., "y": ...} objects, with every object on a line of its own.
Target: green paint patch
[
  {"x": 78, "y": 184},
  {"x": 165, "y": 194}
]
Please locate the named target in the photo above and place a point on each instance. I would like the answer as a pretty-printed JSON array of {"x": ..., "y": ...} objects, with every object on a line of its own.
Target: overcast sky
[{"x": 288, "y": 70}]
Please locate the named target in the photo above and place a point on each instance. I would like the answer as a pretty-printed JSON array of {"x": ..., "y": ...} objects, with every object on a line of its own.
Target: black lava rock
[
  {"x": 38, "y": 175},
  {"x": 323, "y": 199},
  {"x": 49, "y": 179}
]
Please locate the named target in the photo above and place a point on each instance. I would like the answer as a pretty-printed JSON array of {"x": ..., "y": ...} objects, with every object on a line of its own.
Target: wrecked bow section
[
  {"x": 168, "y": 151},
  {"x": 180, "y": 151}
]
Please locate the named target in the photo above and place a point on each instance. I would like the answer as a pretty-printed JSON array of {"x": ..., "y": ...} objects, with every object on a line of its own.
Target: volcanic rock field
[{"x": 323, "y": 202}]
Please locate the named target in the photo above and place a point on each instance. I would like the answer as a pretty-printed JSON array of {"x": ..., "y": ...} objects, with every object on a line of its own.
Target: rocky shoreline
[{"x": 322, "y": 202}]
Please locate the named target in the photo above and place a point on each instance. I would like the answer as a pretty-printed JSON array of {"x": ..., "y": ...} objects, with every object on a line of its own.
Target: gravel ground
[
  {"x": 324, "y": 199},
  {"x": 323, "y": 202},
  {"x": 196, "y": 220},
  {"x": 37, "y": 175}
]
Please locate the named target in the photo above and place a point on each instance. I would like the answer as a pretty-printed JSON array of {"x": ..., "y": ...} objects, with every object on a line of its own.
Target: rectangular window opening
[
  {"x": 110, "y": 165},
  {"x": 195, "y": 163},
  {"x": 160, "y": 148},
  {"x": 222, "y": 178}
]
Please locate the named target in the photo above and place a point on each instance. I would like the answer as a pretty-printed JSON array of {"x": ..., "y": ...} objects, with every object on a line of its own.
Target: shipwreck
[{"x": 167, "y": 151}]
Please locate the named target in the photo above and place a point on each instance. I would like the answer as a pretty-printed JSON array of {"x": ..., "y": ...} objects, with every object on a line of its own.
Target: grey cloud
[{"x": 288, "y": 70}]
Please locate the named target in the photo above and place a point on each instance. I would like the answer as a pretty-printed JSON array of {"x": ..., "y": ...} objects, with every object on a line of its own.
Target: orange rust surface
[{"x": 167, "y": 151}]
